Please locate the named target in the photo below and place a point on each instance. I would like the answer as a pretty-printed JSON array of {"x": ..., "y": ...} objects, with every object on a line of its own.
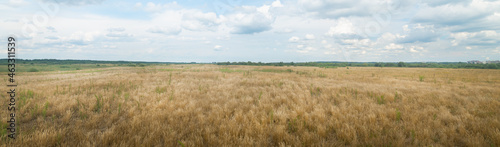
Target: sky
[{"x": 257, "y": 30}]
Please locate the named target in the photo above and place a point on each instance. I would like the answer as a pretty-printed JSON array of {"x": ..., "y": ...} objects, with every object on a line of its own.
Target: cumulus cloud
[
  {"x": 250, "y": 20},
  {"x": 456, "y": 15},
  {"x": 393, "y": 46},
  {"x": 481, "y": 38},
  {"x": 343, "y": 28},
  {"x": 310, "y": 37},
  {"x": 420, "y": 33},
  {"x": 199, "y": 21},
  {"x": 294, "y": 39},
  {"x": 303, "y": 49},
  {"x": 217, "y": 48},
  {"x": 17, "y": 3},
  {"x": 51, "y": 29},
  {"x": 116, "y": 29},
  {"x": 341, "y": 8},
  {"x": 118, "y": 32},
  {"x": 76, "y": 2},
  {"x": 277, "y": 4},
  {"x": 445, "y": 2},
  {"x": 152, "y": 7},
  {"x": 284, "y": 31},
  {"x": 416, "y": 49},
  {"x": 165, "y": 30}
]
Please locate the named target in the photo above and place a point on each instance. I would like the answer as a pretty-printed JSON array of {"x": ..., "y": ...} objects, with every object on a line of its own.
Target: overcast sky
[{"x": 257, "y": 30}]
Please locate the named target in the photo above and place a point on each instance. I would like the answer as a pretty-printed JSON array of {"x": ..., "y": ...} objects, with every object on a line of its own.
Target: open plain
[{"x": 215, "y": 105}]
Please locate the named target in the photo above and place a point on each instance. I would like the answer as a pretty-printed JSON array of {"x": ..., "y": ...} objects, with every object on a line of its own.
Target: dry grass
[{"x": 209, "y": 105}]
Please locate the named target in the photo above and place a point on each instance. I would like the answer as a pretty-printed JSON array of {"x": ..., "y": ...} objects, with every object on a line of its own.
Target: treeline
[
  {"x": 324, "y": 64},
  {"x": 372, "y": 64}
]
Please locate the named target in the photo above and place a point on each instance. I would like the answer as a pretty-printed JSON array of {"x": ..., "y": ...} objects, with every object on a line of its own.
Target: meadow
[{"x": 236, "y": 105}]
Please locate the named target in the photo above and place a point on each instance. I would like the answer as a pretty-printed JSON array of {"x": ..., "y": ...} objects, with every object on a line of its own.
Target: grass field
[{"x": 211, "y": 105}]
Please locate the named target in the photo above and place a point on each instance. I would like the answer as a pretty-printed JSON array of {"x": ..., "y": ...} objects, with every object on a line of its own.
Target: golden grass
[{"x": 209, "y": 105}]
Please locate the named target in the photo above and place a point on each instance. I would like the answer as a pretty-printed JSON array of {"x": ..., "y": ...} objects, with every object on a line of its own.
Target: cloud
[
  {"x": 420, "y": 33},
  {"x": 445, "y": 2},
  {"x": 218, "y": 48},
  {"x": 343, "y": 28},
  {"x": 294, "y": 39},
  {"x": 481, "y": 38},
  {"x": 456, "y": 15},
  {"x": 152, "y": 7},
  {"x": 416, "y": 49},
  {"x": 76, "y": 2},
  {"x": 51, "y": 29},
  {"x": 165, "y": 30},
  {"x": 340, "y": 8},
  {"x": 393, "y": 46},
  {"x": 198, "y": 21},
  {"x": 277, "y": 4},
  {"x": 305, "y": 50},
  {"x": 17, "y": 3},
  {"x": 251, "y": 19},
  {"x": 52, "y": 37},
  {"x": 310, "y": 37},
  {"x": 116, "y": 29},
  {"x": 284, "y": 31}
]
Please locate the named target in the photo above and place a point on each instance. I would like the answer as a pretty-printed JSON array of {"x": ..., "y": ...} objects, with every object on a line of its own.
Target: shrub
[{"x": 33, "y": 70}]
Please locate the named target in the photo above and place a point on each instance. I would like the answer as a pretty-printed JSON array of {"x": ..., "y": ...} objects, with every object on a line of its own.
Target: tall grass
[{"x": 209, "y": 105}]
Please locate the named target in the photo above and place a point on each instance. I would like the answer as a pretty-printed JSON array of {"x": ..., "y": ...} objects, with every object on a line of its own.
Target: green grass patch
[
  {"x": 169, "y": 69},
  {"x": 227, "y": 70},
  {"x": 275, "y": 70}
]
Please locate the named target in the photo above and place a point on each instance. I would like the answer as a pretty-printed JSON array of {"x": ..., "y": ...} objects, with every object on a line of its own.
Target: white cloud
[
  {"x": 416, "y": 49},
  {"x": 305, "y": 50},
  {"x": 250, "y": 20},
  {"x": 165, "y": 30},
  {"x": 310, "y": 37},
  {"x": 17, "y": 3},
  {"x": 284, "y": 31},
  {"x": 77, "y": 2},
  {"x": 277, "y": 3},
  {"x": 420, "y": 33},
  {"x": 294, "y": 39},
  {"x": 199, "y": 21},
  {"x": 457, "y": 15},
  {"x": 343, "y": 28},
  {"x": 218, "y": 48},
  {"x": 393, "y": 46},
  {"x": 116, "y": 29},
  {"x": 138, "y": 5},
  {"x": 152, "y": 7}
]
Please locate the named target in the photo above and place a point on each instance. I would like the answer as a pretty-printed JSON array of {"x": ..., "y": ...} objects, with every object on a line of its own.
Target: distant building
[
  {"x": 492, "y": 62},
  {"x": 474, "y": 62}
]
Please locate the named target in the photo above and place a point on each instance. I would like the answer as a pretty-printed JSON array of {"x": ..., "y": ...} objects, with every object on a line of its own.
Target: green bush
[{"x": 33, "y": 70}]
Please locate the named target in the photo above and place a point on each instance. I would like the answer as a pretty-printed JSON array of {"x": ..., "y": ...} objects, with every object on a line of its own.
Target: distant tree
[
  {"x": 390, "y": 64},
  {"x": 491, "y": 66},
  {"x": 401, "y": 64},
  {"x": 280, "y": 64}
]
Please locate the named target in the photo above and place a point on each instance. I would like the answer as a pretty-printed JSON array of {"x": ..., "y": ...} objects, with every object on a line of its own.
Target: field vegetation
[{"x": 239, "y": 105}]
